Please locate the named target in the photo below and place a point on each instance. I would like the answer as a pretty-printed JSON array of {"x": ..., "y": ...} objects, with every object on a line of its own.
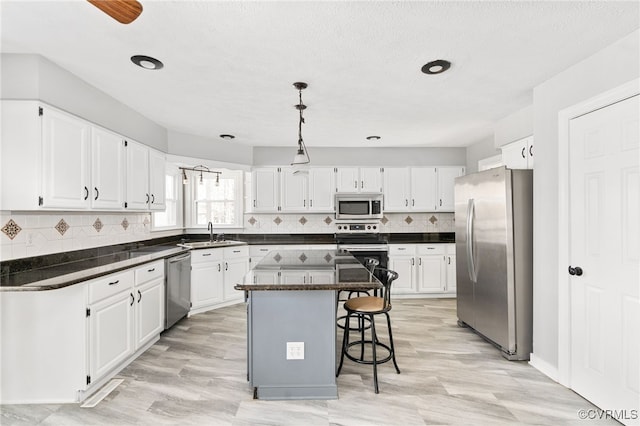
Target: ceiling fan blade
[{"x": 123, "y": 11}]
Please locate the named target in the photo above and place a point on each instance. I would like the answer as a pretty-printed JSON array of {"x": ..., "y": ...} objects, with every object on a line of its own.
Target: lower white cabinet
[
  {"x": 214, "y": 273},
  {"x": 125, "y": 312},
  {"x": 423, "y": 269}
]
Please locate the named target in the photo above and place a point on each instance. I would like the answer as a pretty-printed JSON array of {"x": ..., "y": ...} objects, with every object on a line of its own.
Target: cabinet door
[
  {"x": 405, "y": 267},
  {"x": 107, "y": 170},
  {"x": 515, "y": 154},
  {"x": 451, "y": 273},
  {"x": 157, "y": 181},
  {"x": 423, "y": 189},
  {"x": 206, "y": 283},
  {"x": 396, "y": 189},
  {"x": 149, "y": 320},
  {"x": 265, "y": 277},
  {"x": 234, "y": 272},
  {"x": 137, "y": 196},
  {"x": 293, "y": 190},
  {"x": 322, "y": 189},
  {"x": 530, "y": 152},
  {"x": 370, "y": 179},
  {"x": 431, "y": 274},
  {"x": 111, "y": 338},
  {"x": 293, "y": 277},
  {"x": 265, "y": 185},
  {"x": 65, "y": 161},
  {"x": 322, "y": 277},
  {"x": 347, "y": 179},
  {"x": 446, "y": 185}
]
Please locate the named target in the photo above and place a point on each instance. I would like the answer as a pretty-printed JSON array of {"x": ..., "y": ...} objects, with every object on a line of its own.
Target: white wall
[
  {"x": 278, "y": 156},
  {"x": 514, "y": 126},
  {"x": 607, "y": 69},
  {"x": 478, "y": 151},
  {"x": 182, "y": 144},
  {"x": 34, "y": 77}
]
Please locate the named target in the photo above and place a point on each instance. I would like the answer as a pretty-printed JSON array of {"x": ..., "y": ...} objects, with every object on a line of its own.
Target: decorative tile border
[
  {"x": 11, "y": 229},
  {"x": 97, "y": 225},
  {"x": 124, "y": 223},
  {"x": 62, "y": 227}
]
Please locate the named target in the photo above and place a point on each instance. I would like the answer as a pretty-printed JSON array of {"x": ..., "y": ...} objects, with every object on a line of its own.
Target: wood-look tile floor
[{"x": 196, "y": 375}]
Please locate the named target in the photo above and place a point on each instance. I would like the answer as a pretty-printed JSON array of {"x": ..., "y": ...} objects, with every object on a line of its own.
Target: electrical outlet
[{"x": 295, "y": 350}]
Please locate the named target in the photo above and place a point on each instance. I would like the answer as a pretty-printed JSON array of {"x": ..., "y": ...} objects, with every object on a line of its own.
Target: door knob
[{"x": 575, "y": 271}]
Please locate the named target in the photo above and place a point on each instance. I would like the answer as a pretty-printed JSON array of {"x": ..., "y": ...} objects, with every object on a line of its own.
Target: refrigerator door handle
[{"x": 470, "y": 261}]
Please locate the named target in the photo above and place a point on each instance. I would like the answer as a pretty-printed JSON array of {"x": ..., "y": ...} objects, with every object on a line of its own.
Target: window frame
[
  {"x": 174, "y": 172},
  {"x": 190, "y": 200}
]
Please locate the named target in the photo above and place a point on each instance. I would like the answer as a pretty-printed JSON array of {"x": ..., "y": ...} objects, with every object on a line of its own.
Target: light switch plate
[{"x": 295, "y": 350}]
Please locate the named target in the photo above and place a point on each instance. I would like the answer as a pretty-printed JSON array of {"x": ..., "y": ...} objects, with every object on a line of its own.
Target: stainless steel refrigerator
[{"x": 494, "y": 257}]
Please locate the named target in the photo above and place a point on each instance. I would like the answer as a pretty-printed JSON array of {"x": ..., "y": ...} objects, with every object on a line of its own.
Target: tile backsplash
[{"x": 33, "y": 234}]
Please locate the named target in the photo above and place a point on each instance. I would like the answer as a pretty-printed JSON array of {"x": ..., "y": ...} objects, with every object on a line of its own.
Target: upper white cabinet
[
  {"x": 281, "y": 189},
  {"x": 358, "y": 179},
  {"x": 423, "y": 189},
  {"x": 445, "y": 201},
  {"x": 55, "y": 160},
  {"x": 107, "y": 170},
  {"x": 518, "y": 154}
]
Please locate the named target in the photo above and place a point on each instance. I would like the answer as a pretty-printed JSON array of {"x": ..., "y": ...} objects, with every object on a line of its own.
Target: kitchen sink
[{"x": 211, "y": 244}]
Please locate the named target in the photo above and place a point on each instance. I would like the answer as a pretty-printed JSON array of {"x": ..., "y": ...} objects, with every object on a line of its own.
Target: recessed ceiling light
[
  {"x": 373, "y": 138},
  {"x": 147, "y": 62},
  {"x": 436, "y": 67},
  {"x": 224, "y": 136}
]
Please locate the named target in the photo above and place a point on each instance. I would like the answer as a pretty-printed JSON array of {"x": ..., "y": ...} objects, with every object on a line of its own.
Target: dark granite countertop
[
  {"x": 333, "y": 269},
  {"x": 61, "y": 269}
]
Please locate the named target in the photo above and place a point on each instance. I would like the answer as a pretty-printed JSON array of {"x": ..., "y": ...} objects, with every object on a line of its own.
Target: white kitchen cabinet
[
  {"x": 445, "y": 189},
  {"x": 294, "y": 188},
  {"x": 107, "y": 170},
  {"x": 358, "y": 179},
  {"x": 157, "y": 181},
  {"x": 149, "y": 306},
  {"x": 518, "y": 154},
  {"x": 111, "y": 322},
  {"x": 322, "y": 189},
  {"x": 137, "y": 197},
  {"x": 423, "y": 269},
  {"x": 265, "y": 183},
  {"x": 65, "y": 160},
  {"x": 258, "y": 252},
  {"x": 396, "y": 188},
  {"x": 423, "y": 188},
  {"x": 214, "y": 273}
]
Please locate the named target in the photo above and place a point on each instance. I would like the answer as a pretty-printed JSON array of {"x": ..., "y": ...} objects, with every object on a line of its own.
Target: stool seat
[{"x": 366, "y": 304}]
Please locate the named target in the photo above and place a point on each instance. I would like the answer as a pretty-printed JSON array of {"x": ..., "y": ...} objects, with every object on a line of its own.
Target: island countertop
[{"x": 309, "y": 270}]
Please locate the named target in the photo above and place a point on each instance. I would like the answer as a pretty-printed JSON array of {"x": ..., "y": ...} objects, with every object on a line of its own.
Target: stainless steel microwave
[{"x": 359, "y": 205}]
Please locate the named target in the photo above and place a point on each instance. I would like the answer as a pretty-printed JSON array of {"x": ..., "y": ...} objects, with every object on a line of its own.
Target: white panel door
[
  {"x": 157, "y": 180},
  {"x": 446, "y": 184},
  {"x": 107, "y": 170},
  {"x": 604, "y": 243},
  {"x": 234, "y": 272},
  {"x": 65, "y": 160},
  {"x": 293, "y": 190},
  {"x": 396, "y": 189},
  {"x": 370, "y": 179},
  {"x": 451, "y": 273},
  {"x": 405, "y": 267},
  {"x": 322, "y": 189},
  {"x": 149, "y": 306},
  {"x": 347, "y": 179},
  {"x": 431, "y": 270},
  {"x": 137, "y": 196},
  {"x": 265, "y": 185},
  {"x": 423, "y": 189},
  {"x": 207, "y": 280}
]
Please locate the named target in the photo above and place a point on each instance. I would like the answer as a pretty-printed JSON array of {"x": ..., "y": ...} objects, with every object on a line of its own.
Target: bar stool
[
  {"x": 368, "y": 307},
  {"x": 371, "y": 264}
]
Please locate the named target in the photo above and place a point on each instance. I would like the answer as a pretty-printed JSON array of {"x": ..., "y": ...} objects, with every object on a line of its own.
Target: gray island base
[{"x": 291, "y": 321}]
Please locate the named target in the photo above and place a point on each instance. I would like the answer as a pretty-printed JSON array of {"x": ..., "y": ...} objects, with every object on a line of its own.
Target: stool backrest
[
  {"x": 370, "y": 263},
  {"x": 388, "y": 277}
]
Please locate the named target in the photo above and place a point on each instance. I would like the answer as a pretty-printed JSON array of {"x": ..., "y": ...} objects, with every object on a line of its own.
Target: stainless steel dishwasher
[{"x": 177, "y": 288}]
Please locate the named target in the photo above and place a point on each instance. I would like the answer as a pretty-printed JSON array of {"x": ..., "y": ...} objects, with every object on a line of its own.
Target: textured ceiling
[{"x": 229, "y": 66}]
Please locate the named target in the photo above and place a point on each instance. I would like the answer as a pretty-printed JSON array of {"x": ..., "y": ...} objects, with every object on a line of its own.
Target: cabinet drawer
[
  {"x": 258, "y": 251},
  {"x": 208, "y": 255},
  {"x": 149, "y": 272},
  {"x": 402, "y": 249},
  {"x": 104, "y": 287},
  {"x": 237, "y": 251},
  {"x": 432, "y": 248}
]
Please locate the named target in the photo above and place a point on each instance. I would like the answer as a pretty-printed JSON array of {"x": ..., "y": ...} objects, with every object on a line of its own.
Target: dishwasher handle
[{"x": 179, "y": 259}]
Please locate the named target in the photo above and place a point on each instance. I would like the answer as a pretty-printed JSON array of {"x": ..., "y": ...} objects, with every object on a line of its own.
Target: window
[
  {"x": 172, "y": 216},
  {"x": 218, "y": 202}
]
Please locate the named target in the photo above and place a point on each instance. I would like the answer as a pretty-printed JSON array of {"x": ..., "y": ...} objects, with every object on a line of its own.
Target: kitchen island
[{"x": 291, "y": 321}]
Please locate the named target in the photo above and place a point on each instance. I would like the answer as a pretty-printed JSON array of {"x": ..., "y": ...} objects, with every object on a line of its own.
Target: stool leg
[
  {"x": 361, "y": 327},
  {"x": 373, "y": 348},
  {"x": 345, "y": 339},
  {"x": 393, "y": 349}
]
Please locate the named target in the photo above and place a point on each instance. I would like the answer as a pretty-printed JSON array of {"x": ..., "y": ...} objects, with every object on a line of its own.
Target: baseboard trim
[{"x": 544, "y": 367}]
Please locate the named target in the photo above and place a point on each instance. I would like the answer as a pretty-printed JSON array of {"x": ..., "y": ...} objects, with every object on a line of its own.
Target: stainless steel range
[{"x": 363, "y": 240}]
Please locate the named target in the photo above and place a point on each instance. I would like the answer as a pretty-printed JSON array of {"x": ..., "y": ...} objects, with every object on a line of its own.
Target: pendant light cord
[{"x": 301, "y": 144}]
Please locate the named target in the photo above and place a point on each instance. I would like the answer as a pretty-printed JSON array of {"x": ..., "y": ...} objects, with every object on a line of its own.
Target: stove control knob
[
  {"x": 374, "y": 226},
  {"x": 368, "y": 226},
  {"x": 339, "y": 226}
]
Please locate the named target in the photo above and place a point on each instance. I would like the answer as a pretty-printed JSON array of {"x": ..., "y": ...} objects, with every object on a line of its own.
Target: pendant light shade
[{"x": 302, "y": 155}]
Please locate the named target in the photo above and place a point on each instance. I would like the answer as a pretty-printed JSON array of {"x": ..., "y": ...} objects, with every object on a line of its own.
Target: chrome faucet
[{"x": 210, "y": 229}]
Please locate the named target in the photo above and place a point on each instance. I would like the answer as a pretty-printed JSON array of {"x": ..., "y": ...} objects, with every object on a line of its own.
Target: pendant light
[
  {"x": 199, "y": 169},
  {"x": 301, "y": 159}
]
